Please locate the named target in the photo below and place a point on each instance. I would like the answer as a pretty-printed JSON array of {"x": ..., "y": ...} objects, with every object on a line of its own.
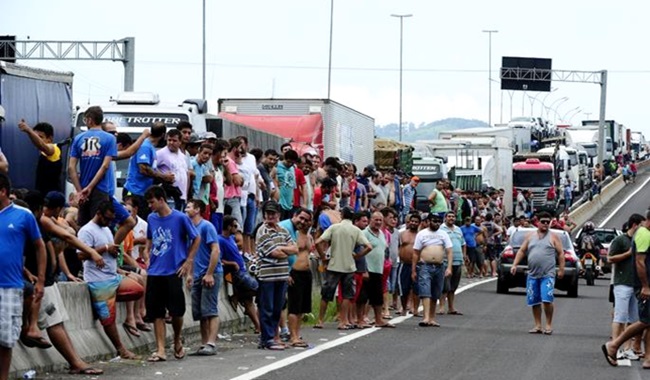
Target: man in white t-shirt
[
  {"x": 428, "y": 269},
  {"x": 171, "y": 159},
  {"x": 105, "y": 284},
  {"x": 249, "y": 201}
]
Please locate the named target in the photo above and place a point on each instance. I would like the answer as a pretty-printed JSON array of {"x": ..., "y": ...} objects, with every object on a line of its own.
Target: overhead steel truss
[
  {"x": 117, "y": 50},
  {"x": 545, "y": 75}
]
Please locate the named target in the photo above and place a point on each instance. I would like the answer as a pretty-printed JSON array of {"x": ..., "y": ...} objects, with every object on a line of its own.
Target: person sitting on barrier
[{"x": 106, "y": 285}]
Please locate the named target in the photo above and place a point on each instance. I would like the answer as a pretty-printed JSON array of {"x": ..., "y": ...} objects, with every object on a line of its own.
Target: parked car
[
  {"x": 605, "y": 237},
  {"x": 506, "y": 281}
]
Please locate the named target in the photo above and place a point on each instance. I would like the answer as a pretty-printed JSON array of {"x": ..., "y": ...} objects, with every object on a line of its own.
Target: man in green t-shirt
[
  {"x": 625, "y": 303},
  {"x": 438, "y": 201},
  {"x": 640, "y": 251}
]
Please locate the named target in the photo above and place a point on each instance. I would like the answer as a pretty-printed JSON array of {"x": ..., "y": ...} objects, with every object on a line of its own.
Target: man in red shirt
[{"x": 300, "y": 191}]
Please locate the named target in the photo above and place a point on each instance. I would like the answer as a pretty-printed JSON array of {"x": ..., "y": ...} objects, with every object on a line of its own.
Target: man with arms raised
[
  {"x": 428, "y": 266},
  {"x": 542, "y": 247}
]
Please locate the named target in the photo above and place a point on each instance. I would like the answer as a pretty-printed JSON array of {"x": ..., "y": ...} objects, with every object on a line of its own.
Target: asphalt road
[{"x": 489, "y": 342}]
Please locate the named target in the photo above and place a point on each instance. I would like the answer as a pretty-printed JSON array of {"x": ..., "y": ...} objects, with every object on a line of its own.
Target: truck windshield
[
  {"x": 573, "y": 158},
  {"x": 139, "y": 119},
  {"x": 425, "y": 187},
  {"x": 526, "y": 179}
]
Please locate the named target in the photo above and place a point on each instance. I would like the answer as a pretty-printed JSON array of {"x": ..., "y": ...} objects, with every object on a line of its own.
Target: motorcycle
[{"x": 589, "y": 265}]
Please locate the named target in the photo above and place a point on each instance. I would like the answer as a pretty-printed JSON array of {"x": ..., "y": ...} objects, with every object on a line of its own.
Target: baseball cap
[
  {"x": 55, "y": 199},
  {"x": 271, "y": 206},
  {"x": 195, "y": 139},
  {"x": 371, "y": 169},
  {"x": 415, "y": 178},
  {"x": 209, "y": 135}
]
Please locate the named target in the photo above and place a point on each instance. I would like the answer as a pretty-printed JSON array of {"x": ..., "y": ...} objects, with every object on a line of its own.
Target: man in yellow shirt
[{"x": 48, "y": 169}]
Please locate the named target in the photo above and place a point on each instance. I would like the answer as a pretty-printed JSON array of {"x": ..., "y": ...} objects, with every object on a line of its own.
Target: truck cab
[
  {"x": 539, "y": 178},
  {"x": 430, "y": 170},
  {"x": 133, "y": 112}
]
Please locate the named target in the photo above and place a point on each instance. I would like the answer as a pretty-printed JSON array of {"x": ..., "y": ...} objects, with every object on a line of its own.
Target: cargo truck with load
[
  {"x": 323, "y": 125},
  {"x": 35, "y": 95},
  {"x": 391, "y": 154}
]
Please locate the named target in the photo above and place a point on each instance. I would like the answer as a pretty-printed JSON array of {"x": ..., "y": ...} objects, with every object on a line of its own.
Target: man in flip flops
[
  {"x": 641, "y": 250},
  {"x": 428, "y": 268},
  {"x": 375, "y": 262},
  {"x": 172, "y": 242},
  {"x": 106, "y": 286},
  {"x": 541, "y": 247}
]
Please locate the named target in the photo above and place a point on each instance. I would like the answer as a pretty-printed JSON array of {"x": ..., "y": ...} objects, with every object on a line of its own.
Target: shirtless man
[
  {"x": 407, "y": 287},
  {"x": 300, "y": 280},
  {"x": 428, "y": 266}
]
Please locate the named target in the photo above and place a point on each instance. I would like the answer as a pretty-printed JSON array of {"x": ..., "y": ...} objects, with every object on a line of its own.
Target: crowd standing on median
[{"x": 197, "y": 211}]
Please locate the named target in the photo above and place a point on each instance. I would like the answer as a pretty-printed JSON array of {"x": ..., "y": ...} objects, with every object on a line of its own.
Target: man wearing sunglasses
[{"x": 541, "y": 248}]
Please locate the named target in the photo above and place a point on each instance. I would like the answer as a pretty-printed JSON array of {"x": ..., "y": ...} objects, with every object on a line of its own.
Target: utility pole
[
  {"x": 489, "y": 32},
  {"x": 601, "y": 121},
  {"x": 203, "y": 65},
  {"x": 329, "y": 66},
  {"x": 401, "y": 40}
]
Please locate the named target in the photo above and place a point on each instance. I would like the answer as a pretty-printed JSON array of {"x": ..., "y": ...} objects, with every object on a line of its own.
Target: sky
[{"x": 280, "y": 48}]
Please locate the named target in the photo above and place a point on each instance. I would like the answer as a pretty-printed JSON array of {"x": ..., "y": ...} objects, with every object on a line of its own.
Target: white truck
[
  {"x": 519, "y": 136},
  {"x": 638, "y": 145},
  {"x": 133, "y": 112},
  {"x": 330, "y": 128}
]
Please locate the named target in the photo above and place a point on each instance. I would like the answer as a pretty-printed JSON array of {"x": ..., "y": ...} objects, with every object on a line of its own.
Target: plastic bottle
[{"x": 31, "y": 374}]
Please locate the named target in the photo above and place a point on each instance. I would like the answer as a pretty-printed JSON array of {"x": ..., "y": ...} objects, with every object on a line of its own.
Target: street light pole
[
  {"x": 489, "y": 32},
  {"x": 401, "y": 40},
  {"x": 548, "y": 110},
  {"x": 329, "y": 66},
  {"x": 203, "y": 64}
]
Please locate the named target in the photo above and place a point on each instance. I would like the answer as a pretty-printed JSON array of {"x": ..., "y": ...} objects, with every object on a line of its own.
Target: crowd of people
[{"x": 197, "y": 210}]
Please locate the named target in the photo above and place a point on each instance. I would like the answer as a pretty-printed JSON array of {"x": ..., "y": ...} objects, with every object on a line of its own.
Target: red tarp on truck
[{"x": 304, "y": 129}]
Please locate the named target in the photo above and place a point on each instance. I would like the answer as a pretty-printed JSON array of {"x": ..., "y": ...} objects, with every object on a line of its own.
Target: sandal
[
  {"x": 39, "y": 342},
  {"x": 275, "y": 347},
  {"x": 131, "y": 330},
  {"x": 610, "y": 359},
  {"x": 155, "y": 358},
  {"x": 179, "y": 354},
  {"x": 86, "y": 371},
  {"x": 387, "y": 325},
  {"x": 143, "y": 326},
  {"x": 300, "y": 344}
]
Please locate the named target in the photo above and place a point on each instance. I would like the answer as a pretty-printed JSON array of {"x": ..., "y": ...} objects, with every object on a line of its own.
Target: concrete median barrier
[{"x": 89, "y": 339}]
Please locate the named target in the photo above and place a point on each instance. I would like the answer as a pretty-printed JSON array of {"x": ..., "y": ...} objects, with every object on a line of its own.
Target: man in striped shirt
[{"x": 274, "y": 246}]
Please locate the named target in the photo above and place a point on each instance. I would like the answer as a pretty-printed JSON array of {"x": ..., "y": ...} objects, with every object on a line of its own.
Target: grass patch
[{"x": 311, "y": 318}]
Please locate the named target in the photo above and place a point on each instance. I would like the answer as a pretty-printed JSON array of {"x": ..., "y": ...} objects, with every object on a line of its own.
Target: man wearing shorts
[
  {"x": 428, "y": 268},
  {"x": 641, "y": 254},
  {"x": 405, "y": 284},
  {"x": 470, "y": 232},
  {"x": 106, "y": 286},
  {"x": 244, "y": 285},
  {"x": 626, "y": 308},
  {"x": 361, "y": 276},
  {"x": 18, "y": 227},
  {"x": 460, "y": 256},
  {"x": 375, "y": 262},
  {"x": 206, "y": 279},
  {"x": 343, "y": 238},
  {"x": 300, "y": 278},
  {"x": 541, "y": 247},
  {"x": 172, "y": 242}
]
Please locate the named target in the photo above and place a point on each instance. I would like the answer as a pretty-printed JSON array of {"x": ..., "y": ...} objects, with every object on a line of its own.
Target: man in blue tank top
[{"x": 541, "y": 247}]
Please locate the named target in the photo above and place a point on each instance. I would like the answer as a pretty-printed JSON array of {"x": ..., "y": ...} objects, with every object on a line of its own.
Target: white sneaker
[{"x": 630, "y": 355}]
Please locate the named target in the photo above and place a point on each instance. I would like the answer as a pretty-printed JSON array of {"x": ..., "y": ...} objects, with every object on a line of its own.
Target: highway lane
[{"x": 490, "y": 341}]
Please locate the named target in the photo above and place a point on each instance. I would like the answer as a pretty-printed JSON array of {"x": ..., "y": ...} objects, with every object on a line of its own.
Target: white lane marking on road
[
  {"x": 337, "y": 342},
  {"x": 620, "y": 206}
]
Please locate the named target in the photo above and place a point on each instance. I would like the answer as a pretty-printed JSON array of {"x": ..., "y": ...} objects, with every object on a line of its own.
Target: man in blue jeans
[
  {"x": 274, "y": 246},
  {"x": 428, "y": 269}
]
